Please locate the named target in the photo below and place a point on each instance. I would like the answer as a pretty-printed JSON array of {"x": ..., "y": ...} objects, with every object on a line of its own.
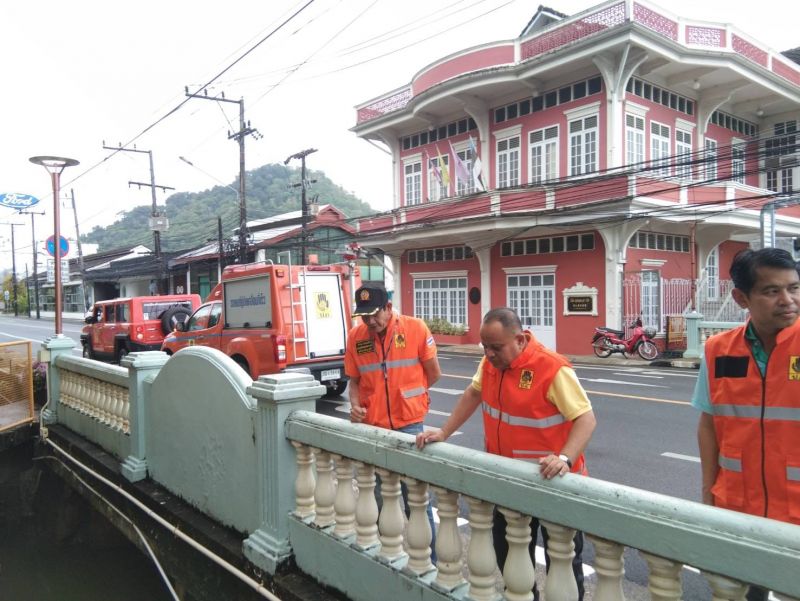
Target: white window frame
[
  {"x": 436, "y": 190},
  {"x": 712, "y": 274},
  {"x": 683, "y": 153},
  {"x": 445, "y": 302},
  {"x": 738, "y": 160},
  {"x": 583, "y": 141},
  {"x": 710, "y": 159},
  {"x": 659, "y": 149},
  {"x": 507, "y": 160},
  {"x": 463, "y": 187},
  {"x": 634, "y": 139},
  {"x": 538, "y": 309},
  {"x": 412, "y": 180},
  {"x": 543, "y": 156},
  {"x": 651, "y": 298}
]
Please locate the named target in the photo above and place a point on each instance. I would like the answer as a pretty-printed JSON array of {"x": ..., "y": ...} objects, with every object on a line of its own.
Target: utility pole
[
  {"x": 14, "y": 268},
  {"x": 220, "y": 260},
  {"x": 80, "y": 253},
  {"x": 304, "y": 184},
  {"x": 157, "y": 221},
  {"x": 35, "y": 259},
  {"x": 28, "y": 289},
  {"x": 244, "y": 130}
]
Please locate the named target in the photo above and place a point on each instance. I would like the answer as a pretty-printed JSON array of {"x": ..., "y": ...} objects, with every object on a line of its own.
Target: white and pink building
[{"x": 601, "y": 166}]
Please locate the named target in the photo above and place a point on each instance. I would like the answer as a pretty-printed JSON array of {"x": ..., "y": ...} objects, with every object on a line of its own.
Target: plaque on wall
[{"x": 580, "y": 300}]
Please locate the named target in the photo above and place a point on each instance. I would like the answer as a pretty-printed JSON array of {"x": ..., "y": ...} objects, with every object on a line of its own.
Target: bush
[{"x": 437, "y": 325}]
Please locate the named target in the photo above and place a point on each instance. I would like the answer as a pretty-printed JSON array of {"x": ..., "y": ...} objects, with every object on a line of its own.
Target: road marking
[
  {"x": 637, "y": 375},
  {"x": 625, "y": 382},
  {"x": 676, "y": 372},
  {"x": 344, "y": 407},
  {"x": 641, "y": 398},
  {"x": 682, "y": 457},
  {"x": 18, "y": 337},
  {"x": 453, "y": 391},
  {"x": 437, "y": 412},
  {"x": 457, "y": 376}
]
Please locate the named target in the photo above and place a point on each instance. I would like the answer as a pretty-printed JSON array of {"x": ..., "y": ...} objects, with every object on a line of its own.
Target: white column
[
  {"x": 481, "y": 558},
  {"x": 518, "y": 572},
  {"x": 325, "y": 492},
  {"x": 665, "y": 578},
  {"x": 484, "y": 257},
  {"x": 305, "y": 482},
  {"x": 189, "y": 279},
  {"x": 615, "y": 240},
  {"x": 560, "y": 584},
  {"x": 345, "y": 504},
  {"x": 366, "y": 507},
  {"x": 397, "y": 272},
  {"x": 610, "y": 568},
  {"x": 419, "y": 529},
  {"x": 448, "y": 541}
]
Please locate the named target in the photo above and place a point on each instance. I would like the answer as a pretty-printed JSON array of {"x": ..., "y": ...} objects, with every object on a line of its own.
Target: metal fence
[{"x": 16, "y": 384}]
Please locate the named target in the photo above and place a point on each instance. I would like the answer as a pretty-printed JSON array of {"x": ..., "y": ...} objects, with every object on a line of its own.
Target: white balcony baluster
[
  {"x": 481, "y": 558},
  {"x": 325, "y": 491},
  {"x": 610, "y": 568},
  {"x": 304, "y": 483},
  {"x": 560, "y": 584},
  {"x": 419, "y": 529},
  {"x": 518, "y": 572},
  {"x": 392, "y": 518},
  {"x": 366, "y": 507},
  {"x": 345, "y": 504},
  {"x": 665, "y": 578}
]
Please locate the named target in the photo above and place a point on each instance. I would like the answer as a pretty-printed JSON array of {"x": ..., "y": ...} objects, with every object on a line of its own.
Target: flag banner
[
  {"x": 434, "y": 165},
  {"x": 477, "y": 176},
  {"x": 443, "y": 167},
  {"x": 462, "y": 171}
]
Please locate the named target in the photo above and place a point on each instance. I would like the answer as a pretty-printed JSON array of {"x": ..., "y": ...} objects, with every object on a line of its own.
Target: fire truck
[{"x": 272, "y": 317}]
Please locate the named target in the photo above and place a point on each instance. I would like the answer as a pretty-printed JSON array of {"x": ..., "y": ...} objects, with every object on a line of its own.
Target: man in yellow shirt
[{"x": 533, "y": 409}]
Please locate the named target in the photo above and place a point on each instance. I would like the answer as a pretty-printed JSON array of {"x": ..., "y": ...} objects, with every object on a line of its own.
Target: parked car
[
  {"x": 270, "y": 318},
  {"x": 123, "y": 325}
]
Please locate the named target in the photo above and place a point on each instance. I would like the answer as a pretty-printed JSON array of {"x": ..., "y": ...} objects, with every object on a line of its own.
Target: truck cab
[{"x": 270, "y": 318}]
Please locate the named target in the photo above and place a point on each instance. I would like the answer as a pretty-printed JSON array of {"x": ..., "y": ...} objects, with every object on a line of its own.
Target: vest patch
[
  {"x": 794, "y": 367},
  {"x": 365, "y": 346},
  {"x": 526, "y": 379},
  {"x": 400, "y": 340},
  {"x": 731, "y": 367}
]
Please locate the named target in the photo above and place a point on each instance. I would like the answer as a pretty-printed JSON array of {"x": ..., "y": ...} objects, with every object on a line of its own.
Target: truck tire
[
  {"x": 122, "y": 352},
  {"x": 172, "y": 316},
  {"x": 336, "y": 389},
  {"x": 242, "y": 362}
]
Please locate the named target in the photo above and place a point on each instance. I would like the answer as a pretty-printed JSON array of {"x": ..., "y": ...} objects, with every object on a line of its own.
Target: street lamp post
[{"x": 54, "y": 166}]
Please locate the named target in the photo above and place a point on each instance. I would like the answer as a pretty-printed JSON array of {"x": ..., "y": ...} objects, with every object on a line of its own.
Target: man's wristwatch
[{"x": 566, "y": 460}]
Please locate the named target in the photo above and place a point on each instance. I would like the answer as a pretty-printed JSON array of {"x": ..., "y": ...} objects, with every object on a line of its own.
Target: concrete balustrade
[{"x": 306, "y": 489}]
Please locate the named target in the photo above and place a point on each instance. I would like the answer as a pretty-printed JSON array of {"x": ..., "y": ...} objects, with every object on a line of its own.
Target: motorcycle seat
[{"x": 613, "y": 331}]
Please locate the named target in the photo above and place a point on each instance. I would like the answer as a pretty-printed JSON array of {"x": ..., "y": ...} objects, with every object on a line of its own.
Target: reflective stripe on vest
[
  {"x": 526, "y": 453},
  {"x": 407, "y": 394},
  {"x": 793, "y": 474},
  {"x": 529, "y": 422},
  {"x": 367, "y": 367},
  {"x": 754, "y": 411},
  {"x": 729, "y": 463}
]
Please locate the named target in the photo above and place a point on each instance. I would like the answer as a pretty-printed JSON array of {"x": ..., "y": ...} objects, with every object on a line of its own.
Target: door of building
[{"x": 533, "y": 298}]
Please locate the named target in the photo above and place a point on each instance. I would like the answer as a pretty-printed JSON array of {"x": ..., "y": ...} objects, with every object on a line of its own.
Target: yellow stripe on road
[{"x": 641, "y": 398}]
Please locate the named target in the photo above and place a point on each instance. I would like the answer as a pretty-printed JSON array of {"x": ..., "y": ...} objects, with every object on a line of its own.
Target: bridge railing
[
  {"x": 335, "y": 525},
  {"x": 16, "y": 384},
  {"x": 255, "y": 457},
  {"x": 698, "y": 330}
]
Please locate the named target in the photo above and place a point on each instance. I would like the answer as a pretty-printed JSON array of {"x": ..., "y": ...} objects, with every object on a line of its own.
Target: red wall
[{"x": 464, "y": 63}]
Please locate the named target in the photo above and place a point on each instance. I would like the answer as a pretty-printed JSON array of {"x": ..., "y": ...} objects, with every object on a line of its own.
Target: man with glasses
[{"x": 391, "y": 361}]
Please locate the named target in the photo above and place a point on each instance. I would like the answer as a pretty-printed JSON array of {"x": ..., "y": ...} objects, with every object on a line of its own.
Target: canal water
[{"x": 55, "y": 547}]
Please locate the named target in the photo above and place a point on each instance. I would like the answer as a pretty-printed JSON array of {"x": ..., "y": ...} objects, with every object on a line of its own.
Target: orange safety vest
[
  {"x": 392, "y": 385},
  {"x": 757, "y": 424},
  {"x": 518, "y": 419}
]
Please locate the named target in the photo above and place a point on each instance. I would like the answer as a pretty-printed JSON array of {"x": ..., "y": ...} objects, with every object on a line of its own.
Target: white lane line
[
  {"x": 678, "y": 373},
  {"x": 453, "y": 391},
  {"x": 344, "y": 407},
  {"x": 681, "y": 457},
  {"x": 18, "y": 337},
  {"x": 637, "y": 375},
  {"x": 626, "y": 383}
]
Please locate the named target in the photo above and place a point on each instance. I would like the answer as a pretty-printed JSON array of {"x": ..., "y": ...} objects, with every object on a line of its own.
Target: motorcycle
[{"x": 607, "y": 340}]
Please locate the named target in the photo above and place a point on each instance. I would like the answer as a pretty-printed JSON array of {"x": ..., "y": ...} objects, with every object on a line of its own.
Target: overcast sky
[{"x": 80, "y": 73}]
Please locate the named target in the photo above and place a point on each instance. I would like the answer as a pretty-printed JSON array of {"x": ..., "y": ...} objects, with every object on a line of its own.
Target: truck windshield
[{"x": 154, "y": 310}]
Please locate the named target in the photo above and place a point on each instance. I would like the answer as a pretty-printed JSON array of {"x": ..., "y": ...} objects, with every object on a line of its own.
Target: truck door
[
  {"x": 107, "y": 329},
  {"x": 325, "y": 314},
  {"x": 201, "y": 327}
]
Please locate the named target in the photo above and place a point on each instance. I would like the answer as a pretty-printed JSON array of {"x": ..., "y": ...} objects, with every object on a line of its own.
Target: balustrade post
[
  {"x": 325, "y": 491},
  {"x": 610, "y": 568},
  {"x": 724, "y": 588},
  {"x": 518, "y": 572},
  {"x": 481, "y": 558},
  {"x": 344, "y": 506},
  {"x": 665, "y": 578},
  {"x": 392, "y": 518},
  {"x": 277, "y": 396},
  {"x": 366, "y": 507},
  {"x": 51, "y": 349},
  {"x": 560, "y": 584},
  {"x": 694, "y": 345},
  {"x": 448, "y": 541},
  {"x": 419, "y": 534},
  {"x": 141, "y": 366},
  {"x": 305, "y": 482}
]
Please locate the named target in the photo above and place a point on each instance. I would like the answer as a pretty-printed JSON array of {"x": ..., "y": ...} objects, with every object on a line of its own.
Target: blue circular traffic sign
[{"x": 51, "y": 246}]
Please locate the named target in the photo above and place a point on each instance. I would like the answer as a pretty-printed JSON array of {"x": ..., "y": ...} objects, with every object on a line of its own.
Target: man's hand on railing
[
  {"x": 552, "y": 466},
  {"x": 434, "y": 435}
]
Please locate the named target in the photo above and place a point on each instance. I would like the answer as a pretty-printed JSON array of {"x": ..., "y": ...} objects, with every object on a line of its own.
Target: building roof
[
  {"x": 543, "y": 17},
  {"x": 793, "y": 54}
]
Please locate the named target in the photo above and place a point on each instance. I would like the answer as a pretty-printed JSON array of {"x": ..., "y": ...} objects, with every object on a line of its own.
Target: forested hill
[{"x": 193, "y": 216}]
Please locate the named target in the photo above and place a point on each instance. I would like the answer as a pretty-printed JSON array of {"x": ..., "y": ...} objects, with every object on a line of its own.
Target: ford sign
[{"x": 17, "y": 201}]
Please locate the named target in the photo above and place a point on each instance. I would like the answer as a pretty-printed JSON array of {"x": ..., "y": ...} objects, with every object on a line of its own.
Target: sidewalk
[{"x": 615, "y": 359}]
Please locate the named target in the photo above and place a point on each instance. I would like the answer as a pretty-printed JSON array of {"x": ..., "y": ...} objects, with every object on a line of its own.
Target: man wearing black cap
[{"x": 391, "y": 361}]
